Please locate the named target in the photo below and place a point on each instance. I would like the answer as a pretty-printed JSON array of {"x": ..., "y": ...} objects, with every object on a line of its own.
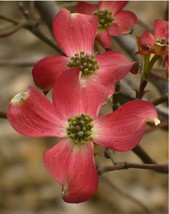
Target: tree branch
[
  {"x": 34, "y": 29},
  {"x": 160, "y": 100},
  {"x": 139, "y": 151},
  {"x": 47, "y": 11},
  {"x": 161, "y": 168}
]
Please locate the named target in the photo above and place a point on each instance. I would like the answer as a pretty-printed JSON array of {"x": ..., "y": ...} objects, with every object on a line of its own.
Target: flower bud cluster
[
  {"x": 105, "y": 18},
  {"x": 80, "y": 128},
  {"x": 85, "y": 61}
]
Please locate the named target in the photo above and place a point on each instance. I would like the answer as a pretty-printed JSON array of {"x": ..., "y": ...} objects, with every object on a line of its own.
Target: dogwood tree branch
[
  {"x": 161, "y": 168},
  {"x": 47, "y": 11},
  {"x": 8, "y": 19},
  {"x": 12, "y": 30},
  {"x": 33, "y": 27},
  {"x": 149, "y": 163},
  {"x": 161, "y": 99},
  {"x": 139, "y": 151},
  {"x": 162, "y": 125}
]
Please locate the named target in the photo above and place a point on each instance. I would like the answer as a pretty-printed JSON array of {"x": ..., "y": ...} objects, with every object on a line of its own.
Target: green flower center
[
  {"x": 105, "y": 18},
  {"x": 80, "y": 128},
  {"x": 85, "y": 61}
]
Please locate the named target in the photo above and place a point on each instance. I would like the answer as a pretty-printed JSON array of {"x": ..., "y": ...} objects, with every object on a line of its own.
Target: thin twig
[
  {"x": 8, "y": 19},
  {"x": 24, "y": 11},
  {"x": 160, "y": 100},
  {"x": 109, "y": 153},
  {"x": 161, "y": 168},
  {"x": 139, "y": 151},
  {"x": 47, "y": 11},
  {"x": 126, "y": 195},
  {"x": 162, "y": 125},
  {"x": 12, "y": 30},
  {"x": 34, "y": 30},
  {"x": 31, "y": 8},
  {"x": 44, "y": 38}
]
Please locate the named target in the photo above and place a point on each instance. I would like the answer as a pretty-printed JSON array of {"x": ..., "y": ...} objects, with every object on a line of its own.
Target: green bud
[{"x": 80, "y": 134}]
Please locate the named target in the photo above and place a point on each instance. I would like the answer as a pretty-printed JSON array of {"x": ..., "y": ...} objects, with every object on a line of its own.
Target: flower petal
[
  {"x": 47, "y": 70},
  {"x": 85, "y": 7},
  {"x": 113, "y": 6},
  {"x": 74, "y": 169},
  {"x": 73, "y": 95},
  {"x": 75, "y": 32},
  {"x": 32, "y": 114},
  {"x": 123, "y": 129},
  {"x": 104, "y": 38},
  {"x": 146, "y": 40},
  {"x": 113, "y": 66},
  {"x": 161, "y": 30},
  {"x": 123, "y": 23}
]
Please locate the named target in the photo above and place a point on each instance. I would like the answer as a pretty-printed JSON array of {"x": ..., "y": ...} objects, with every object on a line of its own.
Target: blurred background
[{"x": 25, "y": 185}]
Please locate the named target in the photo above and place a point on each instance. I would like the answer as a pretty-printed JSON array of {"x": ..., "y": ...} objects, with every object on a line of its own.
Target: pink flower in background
[
  {"x": 113, "y": 20},
  {"x": 73, "y": 118},
  {"x": 156, "y": 43},
  {"x": 75, "y": 34}
]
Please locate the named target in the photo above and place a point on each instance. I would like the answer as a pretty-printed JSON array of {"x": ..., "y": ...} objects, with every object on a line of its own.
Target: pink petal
[
  {"x": 74, "y": 169},
  {"x": 32, "y": 114},
  {"x": 123, "y": 129},
  {"x": 47, "y": 70},
  {"x": 123, "y": 23},
  {"x": 161, "y": 28},
  {"x": 147, "y": 40},
  {"x": 113, "y": 66},
  {"x": 75, "y": 32},
  {"x": 73, "y": 95},
  {"x": 113, "y": 6},
  {"x": 85, "y": 7},
  {"x": 104, "y": 38}
]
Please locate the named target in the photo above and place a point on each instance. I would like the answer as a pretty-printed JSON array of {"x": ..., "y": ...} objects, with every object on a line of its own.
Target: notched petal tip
[
  {"x": 154, "y": 121},
  {"x": 135, "y": 68},
  {"x": 20, "y": 98},
  {"x": 64, "y": 191}
]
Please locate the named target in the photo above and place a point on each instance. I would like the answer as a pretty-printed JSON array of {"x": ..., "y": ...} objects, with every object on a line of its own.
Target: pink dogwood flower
[
  {"x": 73, "y": 117},
  {"x": 113, "y": 20},
  {"x": 75, "y": 34},
  {"x": 156, "y": 43}
]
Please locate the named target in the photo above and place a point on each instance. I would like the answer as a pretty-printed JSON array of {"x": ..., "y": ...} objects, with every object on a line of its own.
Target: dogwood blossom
[
  {"x": 73, "y": 117},
  {"x": 156, "y": 43},
  {"x": 75, "y": 34},
  {"x": 113, "y": 20}
]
